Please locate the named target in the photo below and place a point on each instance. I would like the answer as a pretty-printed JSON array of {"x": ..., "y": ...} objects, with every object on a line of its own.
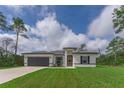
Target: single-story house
[{"x": 68, "y": 57}]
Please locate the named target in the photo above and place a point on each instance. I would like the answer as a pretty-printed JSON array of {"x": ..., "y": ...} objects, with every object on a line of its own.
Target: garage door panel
[{"x": 38, "y": 61}]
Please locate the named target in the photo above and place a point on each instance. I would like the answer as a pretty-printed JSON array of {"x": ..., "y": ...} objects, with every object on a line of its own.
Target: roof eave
[
  {"x": 85, "y": 53},
  {"x": 36, "y": 53},
  {"x": 70, "y": 48}
]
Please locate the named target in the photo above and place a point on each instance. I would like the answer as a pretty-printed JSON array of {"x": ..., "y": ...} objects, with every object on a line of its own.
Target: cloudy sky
[{"x": 55, "y": 27}]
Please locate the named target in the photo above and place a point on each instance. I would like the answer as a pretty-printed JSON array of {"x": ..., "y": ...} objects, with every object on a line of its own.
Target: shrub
[
  {"x": 11, "y": 60},
  {"x": 110, "y": 60},
  {"x": 19, "y": 60},
  {"x": 7, "y": 61}
]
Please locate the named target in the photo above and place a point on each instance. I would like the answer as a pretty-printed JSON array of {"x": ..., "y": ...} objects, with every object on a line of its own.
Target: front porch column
[
  {"x": 25, "y": 61},
  {"x": 65, "y": 58},
  {"x": 51, "y": 63}
]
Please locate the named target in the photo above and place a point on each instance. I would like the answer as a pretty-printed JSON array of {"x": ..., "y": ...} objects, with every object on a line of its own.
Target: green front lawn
[{"x": 79, "y": 77}]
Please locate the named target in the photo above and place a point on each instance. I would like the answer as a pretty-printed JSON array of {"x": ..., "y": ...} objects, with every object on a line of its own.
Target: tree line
[
  {"x": 9, "y": 46},
  {"x": 115, "y": 50}
]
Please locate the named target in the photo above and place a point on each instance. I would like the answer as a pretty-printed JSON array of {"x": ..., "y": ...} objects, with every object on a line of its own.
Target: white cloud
[
  {"x": 102, "y": 26},
  {"x": 25, "y": 45},
  {"x": 45, "y": 10},
  {"x": 97, "y": 44},
  {"x": 56, "y": 35},
  {"x": 49, "y": 34},
  {"x": 16, "y": 9},
  {"x": 20, "y": 9}
]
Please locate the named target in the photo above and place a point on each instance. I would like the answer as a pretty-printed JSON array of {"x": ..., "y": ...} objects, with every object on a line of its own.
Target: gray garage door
[{"x": 38, "y": 61}]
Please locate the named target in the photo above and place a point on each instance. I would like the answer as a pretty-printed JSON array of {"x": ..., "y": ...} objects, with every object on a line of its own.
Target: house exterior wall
[
  {"x": 76, "y": 60},
  {"x": 51, "y": 58}
]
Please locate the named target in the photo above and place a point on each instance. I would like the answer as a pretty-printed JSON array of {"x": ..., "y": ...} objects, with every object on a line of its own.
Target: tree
[
  {"x": 19, "y": 27},
  {"x": 6, "y": 42},
  {"x": 118, "y": 19},
  {"x": 116, "y": 46},
  {"x": 3, "y": 22}
]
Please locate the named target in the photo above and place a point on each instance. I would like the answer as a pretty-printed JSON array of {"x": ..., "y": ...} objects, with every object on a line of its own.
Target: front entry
[{"x": 69, "y": 60}]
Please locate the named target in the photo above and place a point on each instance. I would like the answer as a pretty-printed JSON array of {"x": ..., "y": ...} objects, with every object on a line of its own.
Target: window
[
  {"x": 59, "y": 61},
  {"x": 84, "y": 59}
]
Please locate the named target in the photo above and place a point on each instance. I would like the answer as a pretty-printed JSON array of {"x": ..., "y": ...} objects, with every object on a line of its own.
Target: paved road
[{"x": 12, "y": 73}]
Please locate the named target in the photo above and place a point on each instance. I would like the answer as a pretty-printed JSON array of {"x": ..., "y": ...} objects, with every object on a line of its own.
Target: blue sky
[
  {"x": 78, "y": 17},
  {"x": 59, "y": 26},
  {"x": 75, "y": 17}
]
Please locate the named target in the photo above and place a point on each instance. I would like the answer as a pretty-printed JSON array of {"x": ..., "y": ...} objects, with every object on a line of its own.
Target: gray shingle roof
[
  {"x": 46, "y": 52},
  {"x": 61, "y": 52},
  {"x": 70, "y": 48},
  {"x": 58, "y": 52},
  {"x": 39, "y": 52}
]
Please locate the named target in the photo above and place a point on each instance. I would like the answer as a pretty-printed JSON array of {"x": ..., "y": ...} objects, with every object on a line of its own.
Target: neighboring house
[{"x": 68, "y": 57}]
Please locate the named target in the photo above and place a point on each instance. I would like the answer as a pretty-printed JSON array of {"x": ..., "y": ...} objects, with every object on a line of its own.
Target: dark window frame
[
  {"x": 82, "y": 61},
  {"x": 59, "y": 61}
]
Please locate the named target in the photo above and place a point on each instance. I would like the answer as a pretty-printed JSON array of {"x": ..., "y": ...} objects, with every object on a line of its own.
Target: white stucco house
[{"x": 68, "y": 57}]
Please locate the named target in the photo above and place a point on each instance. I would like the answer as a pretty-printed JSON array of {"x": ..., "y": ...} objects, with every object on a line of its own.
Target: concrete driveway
[{"x": 12, "y": 73}]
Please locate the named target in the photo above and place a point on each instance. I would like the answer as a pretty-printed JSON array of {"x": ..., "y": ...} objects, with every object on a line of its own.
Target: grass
[
  {"x": 9, "y": 67},
  {"x": 98, "y": 77}
]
